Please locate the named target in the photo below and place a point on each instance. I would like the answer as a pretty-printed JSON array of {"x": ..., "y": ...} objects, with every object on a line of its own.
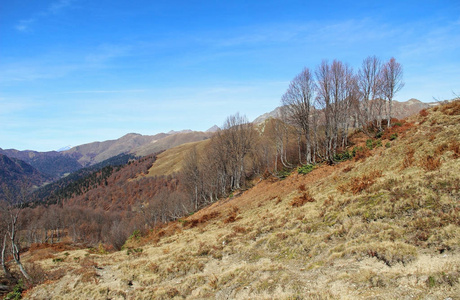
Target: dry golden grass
[
  {"x": 170, "y": 161},
  {"x": 394, "y": 233}
]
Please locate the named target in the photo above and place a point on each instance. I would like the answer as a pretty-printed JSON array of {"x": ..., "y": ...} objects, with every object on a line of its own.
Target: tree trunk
[
  {"x": 389, "y": 113},
  {"x": 5, "y": 269}
]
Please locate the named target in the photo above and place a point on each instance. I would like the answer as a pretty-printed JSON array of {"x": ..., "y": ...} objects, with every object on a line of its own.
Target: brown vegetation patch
[
  {"x": 359, "y": 184},
  {"x": 157, "y": 233},
  {"x": 347, "y": 169},
  {"x": 232, "y": 215},
  {"x": 362, "y": 153},
  {"x": 301, "y": 200},
  {"x": 440, "y": 149},
  {"x": 58, "y": 247},
  {"x": 451, "y": 108},
  {"x": 203, "y": 219},
  {"x": 423, "y": 112},
  {"x": 409, "y": 158},
  {"x": 454, "y": 146},
  {"x": 430, "y": 163},
  {"x": 398, "y": 128}
]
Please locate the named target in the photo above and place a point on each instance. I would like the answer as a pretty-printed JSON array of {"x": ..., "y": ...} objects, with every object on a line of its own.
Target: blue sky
[{"x": 78, "y": 71}]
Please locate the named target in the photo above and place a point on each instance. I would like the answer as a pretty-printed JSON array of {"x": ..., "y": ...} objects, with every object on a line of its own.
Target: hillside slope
[
  {"x": 385, "y": 225},
  {"x": 172, "y": 141},
  {"x": 14, "y": 172},
  {"x": 137, "y": 144},
  {"x": 51, "y": 163},
  {"x": 92, "y": 153}
]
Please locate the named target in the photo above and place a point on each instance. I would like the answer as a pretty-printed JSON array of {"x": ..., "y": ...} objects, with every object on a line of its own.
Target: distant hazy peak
[
  {"x": 181, "y": 131},
  {"x": 213, "y": 129},
  {"x": 65, "y": 148},
  {"x": 413, "y": 101}
]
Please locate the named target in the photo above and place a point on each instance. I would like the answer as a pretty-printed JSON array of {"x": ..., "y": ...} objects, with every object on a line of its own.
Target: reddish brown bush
[
  {"x": 362, "y": 153},
  {"x": 441, "y": 149},
  {"x": 203, "y": 219},
  {"x": 239, "y": 229},
  {"x": 423, "y": 113},
  {"x": 232, "y": 215},
  {"x": 301, "y": 200},
  {"x": 347, "y": 169},
  {"x": 400, "y": 127},
  {"x": 409, "y": 158},
  {"x": 451, "y": 108},
  {"x": 359, "y": 184},
  {"x": 430, "y": 163},
  {"x": 454, "y": 146}
]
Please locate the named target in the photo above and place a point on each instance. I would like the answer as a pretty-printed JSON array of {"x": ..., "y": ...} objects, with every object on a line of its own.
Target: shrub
[
  {"x": 134, "y": 251},
  {"x": 393, "y": 136},
  {"x": 136, "y": 235},
  {"x": 455, "y": 148},
  {"x": 359, "y": 184},
  {"x": 451, "y": 108},
  {"x": 347, "y": 169},
  {"x": 360, "y": 153},
  {"x": 305, "y": 169},
  {"x": 409, "y": 158},
  {"x": 423, "y": 112},
  {"x": 343, "y": 156},
  {"x": 284, "y": 173},
  {"x": 369, "y": 144},
  {"x": 301, "y": 200},
  {"x": 430, "y": 163},
  {"x": 388, "y": 145},
  {"x": 232, "y": 215},
  {"x": 16, "y": 294},
  {"x": 201, "y": 220}
]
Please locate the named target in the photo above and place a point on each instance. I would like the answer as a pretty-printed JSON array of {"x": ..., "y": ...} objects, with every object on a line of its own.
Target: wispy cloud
[
  {"x": 54, "y": 8},
  {"x": 24, "y": 25},
  {"x": 60, "y": 63},
  {"x": 104, "y": 92},
  {"x": 58, "y": 6},
  {"x": 106, "y": 52},
  {"x": 433, "y": 42}
]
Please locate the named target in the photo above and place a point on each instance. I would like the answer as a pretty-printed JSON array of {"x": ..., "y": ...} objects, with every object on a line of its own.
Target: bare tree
[
  {"x": 192, "y": 174},
  {"x": 335, "y": 91},
  {"x": 369, "y": 84},
  {"x": 324, "y": 101},
  {"x": 236, "y": 139},
  {"x": 298, "y": 102},
  {"x": 392, "y": 82},
  {"x": 11, "y": 207}
]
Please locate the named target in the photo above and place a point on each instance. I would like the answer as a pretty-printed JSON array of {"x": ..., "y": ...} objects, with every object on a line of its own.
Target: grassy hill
[{"x": 385, "y": 225}]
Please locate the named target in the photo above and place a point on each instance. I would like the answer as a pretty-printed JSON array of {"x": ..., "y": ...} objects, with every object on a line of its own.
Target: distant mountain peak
[
  {"x": 181, "y": 131},
  {"x": 213, "y": 129},
  {"x": 65, "y": 148},
  {"x": 413, "y": 101}
]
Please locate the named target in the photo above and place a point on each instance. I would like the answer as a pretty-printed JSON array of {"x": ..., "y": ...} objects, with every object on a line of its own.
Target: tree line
[{"x": 319, "y": 108}]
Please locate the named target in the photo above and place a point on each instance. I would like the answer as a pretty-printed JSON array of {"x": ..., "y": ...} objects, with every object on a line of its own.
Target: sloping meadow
[{"x": 381, "y": 226}]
